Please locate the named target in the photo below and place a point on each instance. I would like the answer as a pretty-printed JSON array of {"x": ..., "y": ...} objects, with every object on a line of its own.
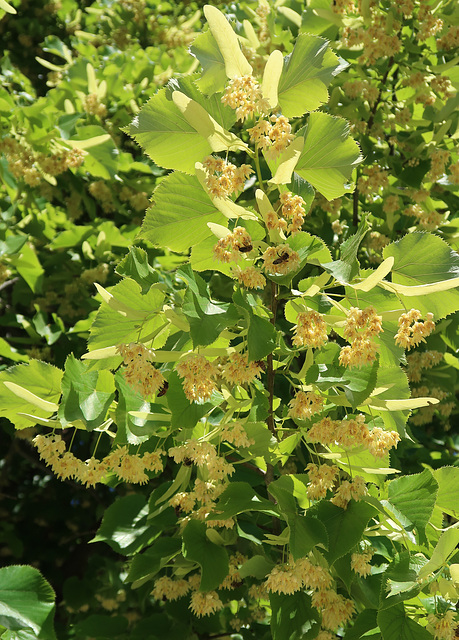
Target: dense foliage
[{"x": 229, "y": 280}]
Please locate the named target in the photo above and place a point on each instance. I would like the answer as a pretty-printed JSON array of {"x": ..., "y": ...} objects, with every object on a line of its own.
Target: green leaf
[
  {"x": 112, "y": 327},
  {"x": 307, "y": 72},
  {"x": 212, "y": 558},
  {"x": 39, "y": 378},
  {"x": 412, "y": 269},
  {"x": 101, "y": 152},
  {"x": 205, "y": 49},
  {"x": 87, "y": 395},
  {"x": 26, "y": 601},
  {"x": 329, "y": 155},
  {"x": 178, "y": 219},
  {"x": 101, "y": 626},
  {"x": 414, "y": 496},
  {"x": 448, "y": 486},
  {"x": 347, "y": 267},
  {"x": 400, "y": 579},
  {"x": 344, "y": 526},
  {"x": 124, "y": 525},
  {"x": 135, "y": 265},
  {"x": 146, "y": 565},
  {"x": 239, "y": 497},
  {"x": 361, "y": 383},
  {"x": 223, "y": 114},
  {"x": 362, "y": 624},
  {"x": 293, "y": 617},
  {"x": 207, "y": 318},
  {"x": 305, "y": 534},
  {"x": 257, "y": 566},
  {"x": 395, "y": 624},
  {"x": 261, "y": 337},
  {"x": 28, "y": 266},
  {"x": 446, "y": 546},
  {"x": 167, "y": 137}
]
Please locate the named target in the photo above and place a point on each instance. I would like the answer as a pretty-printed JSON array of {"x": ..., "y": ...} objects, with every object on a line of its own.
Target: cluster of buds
[
  {"x": 140, "y": 374},
  {"x": 361, "y": 326},
  {"x": 245, "y": 96},
  {"x": 310, "y": 330},
  {"x": 411, "y": 332},
  {"x": 198, "y": 377},
  {"x": 273, "y": 135},
  {"x": 224, "y": 178},
  {"x": 231, "y": 247}
]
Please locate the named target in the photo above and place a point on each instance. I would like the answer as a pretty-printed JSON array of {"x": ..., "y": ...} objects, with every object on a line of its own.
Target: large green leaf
[
  {"x": 239, "y": 497},
  {"x": 411, "y": 268},
  {"x": 39, "y": 378},
  {"x": 87, "y": 395},
  {"x": 119, "y": 320},
  {"x": 207, "y": 318},
  {"x": 178, "y": 219},
  {"x": 101, "y": 626},
  {"x": 307, "y": 72},
  {"x": 329, "y": 155},
  {"x": 144, "y": 566},
  {"x": 446, "y": 546},
  {"x": 101, "y": 158},
  {"x": 395, "y": 624},
  {"x": 166, "y": 136},
  {"x": 448, "y": 487},
  {"x": 212, "y": 558},
  {"x": 124, "y": 525},
  {"x": 224, "y": 115},
  {"x": 185, "y": 414},
  {"x": 293, "y": 617},
  {"x": 344, "y": 526},
  {"x": 414, "y": 497},
  {"x": 26, "y": 601}
]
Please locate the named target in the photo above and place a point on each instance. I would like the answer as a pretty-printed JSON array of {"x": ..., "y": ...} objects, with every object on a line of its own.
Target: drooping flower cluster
[
  {"x": 336, "y": 609},
  {"x": 321, "y": 479},
  {"x": 444, "y": 627},
  {"x": 224, "y": 178},
  {"x": 128, "y": 467},
  {"x": 411, "y": 332},
  {"x": 361, "y": 326},
  {"x": 347, "y": 491},
  {"x": 292, "y": 218},
  {"x": 245, "y": 96},
  {"x": 169, "y": 589},
  {"x": 295, "y": 575},
  {"x": 310, "y": 330},
  {"x": 198, "y": 377},
  {"x": 140, "y": 374},
  {"x": 235, "y": 433},
  {"x": 273, "y": 135},
  {"x": 360, "y": 562},
  {"x": 353, "y": 432},
  {"x": 427, "y": 219},
  {"x": 418, "y": 361},
  {"x": 250, "y": 278},
  {"x": 232, "y": 247},
  {"x": 305, "y": 404},
  {"x": 280, "y": 259},
  {"x": 238, "y": 369}
]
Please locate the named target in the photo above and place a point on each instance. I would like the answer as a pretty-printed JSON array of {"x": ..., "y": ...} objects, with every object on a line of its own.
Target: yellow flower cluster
[
  {"x": 347, "y": 491},
  {"x": 280, "y": 259},
  {"x": 205, "y": 603},
  {"x": 128, "y": 467},
  {"x": 224, "y": 178},
  {"x": 361, "y": 88},
  {"x": 418, "y": 361},
  {"x": 231, "y": 247},
  {"x": 410, "y": 331},
  {"x": 233, "y": 579},
  {"x": 454, "y": 173},
  {"x": 360, "y": 328},
  {"x": 429, "y": 27},
  {"x": 197, "y": 374},
  {"x": 429, "y": 220},
  {"x": 137, "y": 199},
  {"x": 169, "y": 589},
  {"x": 140, "y": 374},
  {"x": 353, "y": 432},
  {"x": 424, "y": 415},
  {"x": 93, "y": 106},
  {"x": 103, "y": 194},
  {"x": 360, "y": 562},
  {"x": 449, "y": 40},
  {"x": 439, "y": 158},
  {"x": 305, "y": 404},
  {"x": 202, "y": 454},
  {"x": 274, "y": 134},
  {"x": 251, "y": 278},
  {"x": 295, "y": 575},
  {"x": 235, "y": 433},
  {"x": 244, "y": 95},
  {"x": 238, "y": 369},
  {"x": 373, "y": 180},
  {"x": 336, "y": 609},
  {"x": 293, "y": 210},
  {"x": 444, "y": 627},
  {"x": 310, "y": 330},
  {"x": 321, "y": 479}
]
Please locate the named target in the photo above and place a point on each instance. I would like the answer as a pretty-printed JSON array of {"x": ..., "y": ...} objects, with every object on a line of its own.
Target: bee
[
  {"x": 187, "y": 462},
  {"x": 245, "y": 248},
  {"x": 164, "y": 388},
  {"x": 282, "y": 258},
  {"x": 261, "y": 364}
]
